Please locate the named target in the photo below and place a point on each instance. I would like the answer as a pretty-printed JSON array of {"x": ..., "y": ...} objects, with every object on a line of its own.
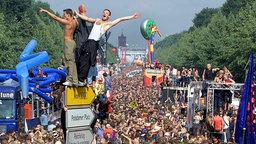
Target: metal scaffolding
[{"x": 196, "y": 100}]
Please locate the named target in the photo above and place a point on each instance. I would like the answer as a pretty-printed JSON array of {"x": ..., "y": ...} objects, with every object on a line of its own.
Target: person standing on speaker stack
[
  {"x": 82, "y": 31},
  {"x": 88, "y": 52},
  {"x": 70, "y": 25}
]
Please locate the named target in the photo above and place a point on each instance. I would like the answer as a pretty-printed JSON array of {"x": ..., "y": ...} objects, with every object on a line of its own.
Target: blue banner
[{"x": 245, "y": 132}]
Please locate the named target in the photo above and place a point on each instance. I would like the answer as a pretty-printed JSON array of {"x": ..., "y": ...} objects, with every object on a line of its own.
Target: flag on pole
[
  {"x": 26, "y": 126},
  {"x": 245, "y": 132},
  {"x": 133, "y": 104}
]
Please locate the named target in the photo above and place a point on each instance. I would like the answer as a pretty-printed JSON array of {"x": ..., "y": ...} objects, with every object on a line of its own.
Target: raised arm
[
  {"x": 127, "y": 138},
  {"x": 86, "y": 18},
  {"x": 203, "y": 75},
  {"x": 53, "y": 16},
  {"x": 116, "y": 21},
  {"x": 215, "y": 69}
]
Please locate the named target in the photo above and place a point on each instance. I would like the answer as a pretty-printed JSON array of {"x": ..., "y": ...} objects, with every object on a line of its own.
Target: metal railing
[
  {"x": 196, "y": 99},
  {"x": 36, "y": 106}
]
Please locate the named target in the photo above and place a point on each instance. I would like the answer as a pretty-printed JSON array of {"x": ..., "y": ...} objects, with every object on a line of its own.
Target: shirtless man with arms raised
[{"x": 69, "y": 48}]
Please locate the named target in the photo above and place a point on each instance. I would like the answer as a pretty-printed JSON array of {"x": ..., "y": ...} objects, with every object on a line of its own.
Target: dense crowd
[
  {"x": 125, "y": 110},
  {"x": 156, "y": 121},
  {"x": 132, "y": 113},
  {"x": 53, "y": 134}
]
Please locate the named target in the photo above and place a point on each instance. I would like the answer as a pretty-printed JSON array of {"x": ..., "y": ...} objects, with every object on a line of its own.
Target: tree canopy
[
  {"x": 22, "y": 22},
  {"x": 227, "y": 39},
  {"x": 204, "y": 17}
]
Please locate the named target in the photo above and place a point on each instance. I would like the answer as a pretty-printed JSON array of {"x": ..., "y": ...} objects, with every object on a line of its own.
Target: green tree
[
  {"x": 226, "y": 40},
  {"x": 22, "y": 22},
  {"x": 168, "y": 41},
  {"x": 234, "y": 6},
  {"x": 4, "y": 43},
  {"x": 203, "y": 18},
  {"x": 15, "y": 8}
]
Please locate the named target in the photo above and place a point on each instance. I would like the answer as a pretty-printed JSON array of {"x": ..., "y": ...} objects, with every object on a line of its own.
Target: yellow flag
[{"x": 133, "y": 104}]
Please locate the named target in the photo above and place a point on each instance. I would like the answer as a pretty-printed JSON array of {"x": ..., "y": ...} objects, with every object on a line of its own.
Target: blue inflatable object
[
  {"x": 41, "y": 94},
  {"x": 7, "y": 71},
  {"x": 52, "y": 75},
  {"x": 4, "y": 77},
  {"x": 22, "y": 73},
  {"x": 25, "y": 55},
  {"x": 46, "y": 90},
  {"x": 28, "y": 61},
  {"x": 22, "y": 69}
]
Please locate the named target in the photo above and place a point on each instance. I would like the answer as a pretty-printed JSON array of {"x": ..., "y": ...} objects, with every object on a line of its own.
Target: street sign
[
  {"x": 79, "y": 136},
  {"x": 79, "y": 96},
  {"x": 79, "y": 117}
]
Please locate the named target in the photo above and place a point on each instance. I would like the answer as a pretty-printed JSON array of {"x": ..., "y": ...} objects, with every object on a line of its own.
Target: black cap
[{"x": 105, "y": 74}]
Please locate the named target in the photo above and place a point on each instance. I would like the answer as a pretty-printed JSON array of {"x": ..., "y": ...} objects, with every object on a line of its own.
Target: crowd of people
[
  {"x": 135, "y": 114},
  {"x": 50, "y": 134},
  {"x": 139, "y": 116},
  {"x": 125, "y": 110}
]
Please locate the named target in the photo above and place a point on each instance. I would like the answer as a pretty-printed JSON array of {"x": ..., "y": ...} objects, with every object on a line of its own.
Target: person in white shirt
[
  {"x": 88, "y": 51},
  {"x": 174, "y": 75},
  {"x": 51, "y": 126},
  {"x": 197, "y": 119},
  {"x": 226, "y": 129}
]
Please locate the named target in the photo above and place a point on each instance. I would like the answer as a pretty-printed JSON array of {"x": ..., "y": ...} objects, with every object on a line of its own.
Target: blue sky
[{"x": 171, "y": 16}]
